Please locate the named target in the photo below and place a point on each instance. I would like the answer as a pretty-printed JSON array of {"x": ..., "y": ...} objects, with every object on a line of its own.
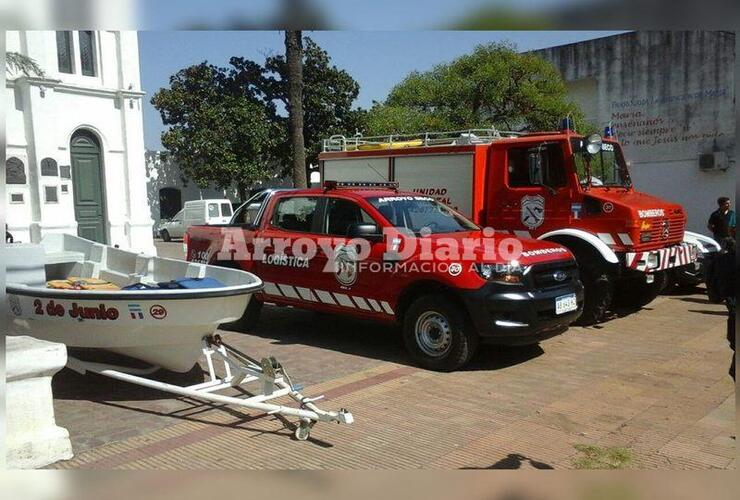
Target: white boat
[
  {"x": 164, "y": 327},
  {"x": 167, "y": 328}
]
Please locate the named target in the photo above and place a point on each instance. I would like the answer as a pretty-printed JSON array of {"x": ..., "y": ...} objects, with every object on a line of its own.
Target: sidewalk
[{"x": 654, "y": 384}]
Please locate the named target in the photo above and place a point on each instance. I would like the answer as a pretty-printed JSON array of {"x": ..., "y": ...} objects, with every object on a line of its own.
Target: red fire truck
[{"x": 557, "y": 186}]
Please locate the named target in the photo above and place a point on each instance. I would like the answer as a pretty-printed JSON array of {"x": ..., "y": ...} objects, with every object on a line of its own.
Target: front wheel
[
  {"x": 438, "y": 334},
  {"x": 637, "y": 292},
  {"x": 598, "y": 290},
  {"x": 166, "y": 235}
]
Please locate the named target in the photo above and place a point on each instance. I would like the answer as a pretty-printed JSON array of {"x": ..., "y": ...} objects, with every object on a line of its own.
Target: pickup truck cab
[{"x": 372, "y": 252}]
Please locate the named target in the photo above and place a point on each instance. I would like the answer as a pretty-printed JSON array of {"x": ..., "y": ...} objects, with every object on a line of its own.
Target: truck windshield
[
  {"x": 607, "y": 167},
  {"x": 421, "y": 213}
]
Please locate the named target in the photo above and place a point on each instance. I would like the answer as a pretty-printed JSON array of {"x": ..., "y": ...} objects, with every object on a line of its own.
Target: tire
[
  {"x": 438, "y": 333},
  {"x": 165, "y": 235},
  {"x": 635, "y": 293},
  {"x": 598, "y": 289},
  {"x": 248, "y": 320}
]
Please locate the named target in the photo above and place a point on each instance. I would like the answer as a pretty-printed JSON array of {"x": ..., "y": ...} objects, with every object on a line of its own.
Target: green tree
[
  {"x": 197, "y": 107},
  {"x": 492, "y": 86},
  {"x": 384, "y": 119},
  {"x": 220, "y": 130}
]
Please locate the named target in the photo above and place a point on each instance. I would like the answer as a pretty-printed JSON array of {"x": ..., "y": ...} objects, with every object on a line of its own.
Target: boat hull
[{"x": 159, "y": 330}]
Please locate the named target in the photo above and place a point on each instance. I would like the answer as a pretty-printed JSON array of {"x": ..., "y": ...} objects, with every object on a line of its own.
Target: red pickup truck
[{"x": 372, "y": 252}]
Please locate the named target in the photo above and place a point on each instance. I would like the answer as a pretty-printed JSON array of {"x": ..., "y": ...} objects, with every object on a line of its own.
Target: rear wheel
[
  {"x": 598, "y": 289},
  {"x": 438, "y": 334},
  {"x": 165, "y": 235}
]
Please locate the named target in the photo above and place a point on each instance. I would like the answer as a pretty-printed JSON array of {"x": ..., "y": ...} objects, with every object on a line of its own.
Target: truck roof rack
[
  {"x": 421, "y": 139},
  {"x": 328, "y": 185}
]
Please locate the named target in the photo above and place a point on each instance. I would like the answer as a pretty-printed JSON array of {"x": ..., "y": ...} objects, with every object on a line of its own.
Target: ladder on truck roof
[{"x": 396, "y": 141}]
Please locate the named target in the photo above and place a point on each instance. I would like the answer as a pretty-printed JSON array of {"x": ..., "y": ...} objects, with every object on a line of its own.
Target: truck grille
[
  {"x": 554, "y": 275},
  {"x": 667, "y": 230}
]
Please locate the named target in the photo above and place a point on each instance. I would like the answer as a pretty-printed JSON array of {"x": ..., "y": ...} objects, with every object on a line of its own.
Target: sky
[
  {"x": 346, "y": 15},
  {"x": 377, "y": 60}
]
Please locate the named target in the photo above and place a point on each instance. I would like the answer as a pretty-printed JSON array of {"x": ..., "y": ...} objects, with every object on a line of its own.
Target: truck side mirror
[{"x": 370, "y": 232}]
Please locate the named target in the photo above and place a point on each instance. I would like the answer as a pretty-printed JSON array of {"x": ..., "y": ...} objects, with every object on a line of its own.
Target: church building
[{"x": 75, "y": 142}]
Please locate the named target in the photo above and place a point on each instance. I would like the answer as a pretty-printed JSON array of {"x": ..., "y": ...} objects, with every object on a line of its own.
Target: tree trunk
[
  {"x": 241, "y": 191},
  {"x": 294, "y": 59}
]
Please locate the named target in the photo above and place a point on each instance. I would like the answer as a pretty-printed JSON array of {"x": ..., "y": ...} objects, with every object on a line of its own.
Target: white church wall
[{"x": 44, "y": 113}]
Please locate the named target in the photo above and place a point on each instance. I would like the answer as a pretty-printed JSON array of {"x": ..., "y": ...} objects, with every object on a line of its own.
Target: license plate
[{"x": 566, "y": 303}]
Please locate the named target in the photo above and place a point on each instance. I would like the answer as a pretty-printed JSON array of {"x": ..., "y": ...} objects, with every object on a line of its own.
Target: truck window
[
  {"x": 213, "y": 210},
  {"x": 226, "y": 209},
  {"x": 417, "y": 213},
  {"x": 551, "y": 163},
  {"x": 608, "y": 167},
  {"x": 295, "y": 214},
  {"x": 341, "y": 213},
  {"x": 247, "y": 213}
]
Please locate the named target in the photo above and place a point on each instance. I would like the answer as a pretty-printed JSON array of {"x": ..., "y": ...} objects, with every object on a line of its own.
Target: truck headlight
[
  {"x": 652, "y": 260},
  {"x": 645, "y": 236},
  {"x": 511, "y": 273}
]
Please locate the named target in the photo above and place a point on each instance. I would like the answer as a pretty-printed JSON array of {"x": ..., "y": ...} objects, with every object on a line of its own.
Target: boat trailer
[{"x": 239, "y": 369}]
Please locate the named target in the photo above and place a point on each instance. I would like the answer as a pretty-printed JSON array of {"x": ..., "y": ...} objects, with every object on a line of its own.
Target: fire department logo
[
  {"x": 608, "y": 207},
  {"x": 533, "y": 211},
  {"x": 345, "y": 266}
]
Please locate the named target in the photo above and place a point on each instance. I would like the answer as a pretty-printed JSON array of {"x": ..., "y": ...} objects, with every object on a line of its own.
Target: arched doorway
[
  {"x": 170, "y": 202},
  {"x": 87, "y": 184}
]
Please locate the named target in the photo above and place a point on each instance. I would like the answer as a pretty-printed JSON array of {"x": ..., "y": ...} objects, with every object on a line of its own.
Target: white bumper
[{"x": 664, "y": 258}]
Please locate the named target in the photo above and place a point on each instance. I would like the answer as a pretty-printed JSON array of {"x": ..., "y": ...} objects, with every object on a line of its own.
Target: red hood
[
  {"x": 635, "y": 203},
  {"x": 633, "y": 213},
  {"x": 505, "y": 248}
]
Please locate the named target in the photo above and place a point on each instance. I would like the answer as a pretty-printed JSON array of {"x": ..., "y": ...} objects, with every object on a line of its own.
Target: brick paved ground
[{"x": 654, "y": 382}]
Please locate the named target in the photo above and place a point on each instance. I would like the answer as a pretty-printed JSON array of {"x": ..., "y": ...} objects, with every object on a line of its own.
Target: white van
[
  {"x": 197, "y": 213},
  {"x": 206, "y": 212}
]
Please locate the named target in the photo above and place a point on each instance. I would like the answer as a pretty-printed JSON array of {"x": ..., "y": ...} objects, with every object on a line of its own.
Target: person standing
[
  {"x": 722, "y": 221},
  {"x": 721, "y": 281}
]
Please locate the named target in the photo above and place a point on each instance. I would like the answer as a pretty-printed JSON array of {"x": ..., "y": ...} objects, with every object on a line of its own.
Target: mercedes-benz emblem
[{"x": 666, "y": 229}]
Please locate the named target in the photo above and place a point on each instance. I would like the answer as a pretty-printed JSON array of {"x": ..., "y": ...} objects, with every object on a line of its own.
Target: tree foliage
[
  {"x": 219, "y": 130},
  {"x": 16, "y": 62},
  {"x": 228, "y": 125},
  {"x": 492, "y": 86}
]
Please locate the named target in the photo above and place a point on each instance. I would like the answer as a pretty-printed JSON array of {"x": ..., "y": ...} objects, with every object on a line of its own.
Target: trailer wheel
[
  {"x": 438, "y": 334},
  {"x": 165, "y": 235},
  {"x": 303, "y": 430},
  {"x": 636, "y": 292},
  {"x": 598, "y": 285}
]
